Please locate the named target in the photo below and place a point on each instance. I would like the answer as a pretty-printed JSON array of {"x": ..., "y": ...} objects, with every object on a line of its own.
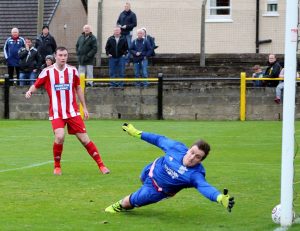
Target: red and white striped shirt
[{"x": 61, "y": 88}]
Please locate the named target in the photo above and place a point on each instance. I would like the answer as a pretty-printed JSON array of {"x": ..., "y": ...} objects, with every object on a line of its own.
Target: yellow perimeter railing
[
  {"x": 83, "y": 80},
  {"x": 244, "y": 79}
]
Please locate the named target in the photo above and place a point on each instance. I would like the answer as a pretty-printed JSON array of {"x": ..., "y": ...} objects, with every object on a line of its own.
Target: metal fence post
[
  {"x": 6, "y": 96},
  {"x": 82, "y": 85},
  {"x": 243, "y": 97},
  {"x": 160, "y": 96}
]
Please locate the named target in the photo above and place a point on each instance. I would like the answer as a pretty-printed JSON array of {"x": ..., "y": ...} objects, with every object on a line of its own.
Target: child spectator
[
  {"x": 258, "y": 73},
  {"x": 49, "y": 60}
]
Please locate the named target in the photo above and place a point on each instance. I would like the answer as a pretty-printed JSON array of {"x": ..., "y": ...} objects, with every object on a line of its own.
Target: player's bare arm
[
  {"x": 82, "y": 101},
  {"x": 31, "y": 90}
]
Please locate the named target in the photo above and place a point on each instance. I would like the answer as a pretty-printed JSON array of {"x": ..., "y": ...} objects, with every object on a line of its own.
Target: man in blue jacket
[
  {"x": 141, "y": 50},
  {"x": 179, "y": 168},
  {"x": 11, "y": 47}
]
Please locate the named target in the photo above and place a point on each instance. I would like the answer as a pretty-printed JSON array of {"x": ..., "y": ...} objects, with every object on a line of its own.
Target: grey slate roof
[{"x": 23, "y": 15}]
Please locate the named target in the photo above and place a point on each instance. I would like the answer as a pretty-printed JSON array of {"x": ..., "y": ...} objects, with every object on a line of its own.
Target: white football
[{"x": 276, "y": 213}]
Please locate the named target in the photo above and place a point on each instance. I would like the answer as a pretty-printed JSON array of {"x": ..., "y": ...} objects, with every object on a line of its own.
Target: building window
[
  {"x": 272, "y": 5},
  {"x": 219, "y": 11},
  {"x": 272, "y": 8}
]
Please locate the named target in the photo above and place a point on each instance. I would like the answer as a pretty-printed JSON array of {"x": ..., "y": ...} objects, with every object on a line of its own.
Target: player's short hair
[
  {"x": 204, "y": 146},
  {"x": 61, "y": 49}
]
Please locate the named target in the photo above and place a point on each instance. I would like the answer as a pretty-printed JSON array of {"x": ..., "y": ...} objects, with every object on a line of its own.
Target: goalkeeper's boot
[
  {"x": 57, "y": 171},
  {"x": 115, "y": 208},
  {"x": 104, "y": 170}
]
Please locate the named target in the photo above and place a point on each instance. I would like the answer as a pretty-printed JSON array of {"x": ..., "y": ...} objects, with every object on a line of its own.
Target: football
[{"x": 276, "y": 212}]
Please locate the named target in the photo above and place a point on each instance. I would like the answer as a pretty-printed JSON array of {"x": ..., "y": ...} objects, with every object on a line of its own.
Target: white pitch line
[{"x": 25, "y": 167}]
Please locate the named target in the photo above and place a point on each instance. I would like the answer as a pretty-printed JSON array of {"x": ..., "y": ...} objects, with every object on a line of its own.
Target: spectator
[
  {"x": 86, "y": 49},
  {"x": 258, "y": 73},
  {"x": 280, "y": 87},
  {"x": 181, "y": 167},
  {"x": 272, "y": 71},
  {"x": 11, "y": 48},
  {"x": 45, "y": 43},
  {"x": 30, "y": 62},
  {"x": 151, "y": 41},
  {"x": 127, "y": 21},
  {"x": 49, "y": 61},
  {"x": 62, "y": 83},
  {"x": 141, "y": 50},
  {"x": 116, "y": 49}
]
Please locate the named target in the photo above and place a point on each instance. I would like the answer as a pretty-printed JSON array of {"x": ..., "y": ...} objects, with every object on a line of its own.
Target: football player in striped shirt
[{"x": 62, "y": 83}]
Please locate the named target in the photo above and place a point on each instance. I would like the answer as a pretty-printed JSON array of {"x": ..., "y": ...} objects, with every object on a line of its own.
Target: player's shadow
[{"x": 150, "y": 215}]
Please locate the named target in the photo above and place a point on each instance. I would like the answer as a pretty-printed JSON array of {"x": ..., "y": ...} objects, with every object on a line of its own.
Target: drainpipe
[
  {"x": 99, "y": 32},
  {"x": 257, "y": 27},
  {"x": 40, "y": 17},
  {"x": 202, "y": 37},
  {"x": 257, "y": 41}
]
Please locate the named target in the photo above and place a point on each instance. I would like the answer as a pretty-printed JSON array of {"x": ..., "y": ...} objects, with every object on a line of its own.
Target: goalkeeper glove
[
  {"x": 132, "y": 130},
  {"x": 225, "y": 200}
]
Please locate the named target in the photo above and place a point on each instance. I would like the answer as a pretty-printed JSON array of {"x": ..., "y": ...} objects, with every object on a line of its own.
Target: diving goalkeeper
[{"x": 179, "y": 168}]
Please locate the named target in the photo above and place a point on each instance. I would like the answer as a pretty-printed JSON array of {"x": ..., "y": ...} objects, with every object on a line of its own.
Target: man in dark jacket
[
  {"x": 45, "y": 43},
  {"x": 127, "y": 21},
  {"x": 29, "y": 63},
  {"x": 141, "y": 50},
  {"x": 86, "y": 49},
  {"x": 151, "y": 41},
  {"x": 116, "y": 48},
  {"x": 272, "y": 71},
  {"x": 11, "y": 47}
]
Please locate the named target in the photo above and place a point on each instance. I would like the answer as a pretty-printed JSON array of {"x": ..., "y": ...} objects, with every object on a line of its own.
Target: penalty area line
[{"x": 25, "y": 167}]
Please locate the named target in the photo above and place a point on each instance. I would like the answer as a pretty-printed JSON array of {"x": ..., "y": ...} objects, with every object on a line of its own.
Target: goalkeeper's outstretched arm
[{"x": 158, "y": 140}]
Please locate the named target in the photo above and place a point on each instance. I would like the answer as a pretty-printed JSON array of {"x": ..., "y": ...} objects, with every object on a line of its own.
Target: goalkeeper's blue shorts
[{"x": 148, "y": 193}]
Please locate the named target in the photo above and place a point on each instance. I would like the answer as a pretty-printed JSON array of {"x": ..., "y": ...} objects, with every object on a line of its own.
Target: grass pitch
[{"x": 245, "y": 158}]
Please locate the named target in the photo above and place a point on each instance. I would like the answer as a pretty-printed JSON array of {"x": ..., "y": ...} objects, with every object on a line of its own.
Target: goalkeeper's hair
[{"x": 205, "y": 147}]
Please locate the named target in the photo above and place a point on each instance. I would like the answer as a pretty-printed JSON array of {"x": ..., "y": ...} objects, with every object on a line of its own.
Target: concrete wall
[
  {"x": 176, "y": 25},
  {"x": 194, "y": 102}
]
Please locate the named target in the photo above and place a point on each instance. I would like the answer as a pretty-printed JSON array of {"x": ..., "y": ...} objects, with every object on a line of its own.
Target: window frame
[
  {"x": 271, "y": 13},
  {"x": 218, "y": 18}
]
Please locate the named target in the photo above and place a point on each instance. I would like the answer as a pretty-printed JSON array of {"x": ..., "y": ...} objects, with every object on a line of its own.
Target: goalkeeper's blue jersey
[{"x": 169, "y": 172}]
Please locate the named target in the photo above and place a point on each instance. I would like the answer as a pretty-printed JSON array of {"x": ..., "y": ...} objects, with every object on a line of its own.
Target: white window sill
[
  {"x": 270, "y": 14},
  {"x": 219, "y": 20}
]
